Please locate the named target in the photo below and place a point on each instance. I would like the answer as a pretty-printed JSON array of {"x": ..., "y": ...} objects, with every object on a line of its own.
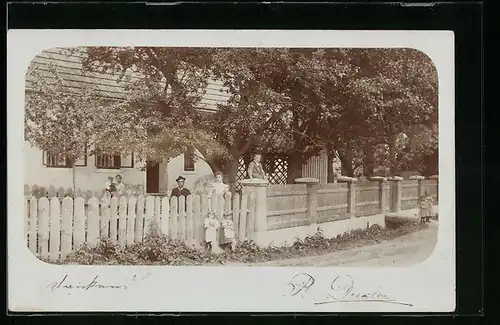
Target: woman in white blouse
[{"x": 218, "y": 187}]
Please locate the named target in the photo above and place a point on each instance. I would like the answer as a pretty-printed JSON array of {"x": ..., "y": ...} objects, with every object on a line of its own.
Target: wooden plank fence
[{"x": 54, "y": 228}]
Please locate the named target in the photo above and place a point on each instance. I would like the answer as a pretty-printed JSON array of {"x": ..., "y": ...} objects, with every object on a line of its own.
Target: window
[
  {"x": 189, "y": 160},
  {"x": 117, "y": 161},
  {"x": 60, "y": 160}
]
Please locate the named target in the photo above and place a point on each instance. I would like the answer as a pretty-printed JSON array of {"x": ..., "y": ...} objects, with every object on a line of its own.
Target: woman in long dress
[{"x": 219, "y": 189}]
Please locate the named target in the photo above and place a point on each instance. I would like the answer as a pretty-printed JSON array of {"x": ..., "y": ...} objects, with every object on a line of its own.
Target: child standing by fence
[
  {"x": 227, "y": 236},
  {"x": 426, "y": 206},
  {"x": 110, "y": 186},
  {"x": 210, "y": 224}
]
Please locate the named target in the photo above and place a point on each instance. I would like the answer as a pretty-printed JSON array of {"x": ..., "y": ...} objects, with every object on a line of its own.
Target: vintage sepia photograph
[
  {"x": 233, "y": 160},
  {"x": 254, "y": 156}
]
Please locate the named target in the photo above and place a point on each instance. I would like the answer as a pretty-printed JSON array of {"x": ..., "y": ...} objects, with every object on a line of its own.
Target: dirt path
[{"x": 403, "y": 251}]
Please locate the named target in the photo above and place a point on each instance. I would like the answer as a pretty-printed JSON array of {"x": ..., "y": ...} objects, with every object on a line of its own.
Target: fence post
[
  {"x": 149, "y": 215},
  {"x": 43, "y": 228},
  {"x": 436, "y": 177},
  {"x": 26, "y": 219},
  {"x": 93, "y": 218},
  {"x": 139, "y": 219},
  {"x": 33, "y": 227},
  {"x": 189, "y": 220},
  {"x": 312, "y": 198},
  {"x": 174, "y": 217},
  {"x": 419, "y": 179},
  {"x": 259, "y": 188},
  {"x": 382, "y": 194},
  {"x": 197, "y": 221},
  {"x": 79, "y": 223},
  {"x": 122, "y": 221},
  {"x": 66, "y": 227},
  {"x": 242, "y": 220},
  {"x": 351, "y": 194},
  {"x": 131, "y": 215},
  {"x": 165, "y": 215},
  {"x": 55, "y": 228},
  {"x": 396, "y": 192}
]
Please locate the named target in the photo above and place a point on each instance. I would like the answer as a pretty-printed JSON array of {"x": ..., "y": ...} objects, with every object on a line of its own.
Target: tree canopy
[{"x": 355, "y": 103}]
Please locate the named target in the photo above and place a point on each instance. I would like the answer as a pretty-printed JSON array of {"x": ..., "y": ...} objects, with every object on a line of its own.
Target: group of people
[
  {"x": 114, "y": 186},
  {"x": 215, "y": 230},
  {"x": 222, "y": 231}
]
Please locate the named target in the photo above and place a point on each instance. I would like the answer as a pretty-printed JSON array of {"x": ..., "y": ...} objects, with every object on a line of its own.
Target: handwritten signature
[
  {"x": 95, "y": 283},
  {"x": 341, "y": 290}
]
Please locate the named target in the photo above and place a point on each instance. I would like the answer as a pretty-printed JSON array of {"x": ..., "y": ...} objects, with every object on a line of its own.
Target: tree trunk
[
  {"x": 294, "y": 168},
  {"x": 346, "y": 159},
  {"x": 214, "y": 165},
  {"x": 330, "y": 172},
  {"x": 231, "y": 169},
  {"x": 368, "y": 163}
]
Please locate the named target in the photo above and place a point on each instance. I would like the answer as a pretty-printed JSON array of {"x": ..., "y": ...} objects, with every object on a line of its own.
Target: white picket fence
[{"x": 55, "y": 228}]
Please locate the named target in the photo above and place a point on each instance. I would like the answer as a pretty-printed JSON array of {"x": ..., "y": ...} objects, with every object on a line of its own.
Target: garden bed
[{"x": 158, "y": 249}]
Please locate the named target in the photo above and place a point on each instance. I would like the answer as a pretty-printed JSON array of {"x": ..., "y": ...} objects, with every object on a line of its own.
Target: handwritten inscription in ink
[
  {"x": 95, "y": 283},
  {"x": 340, "y": 289}
]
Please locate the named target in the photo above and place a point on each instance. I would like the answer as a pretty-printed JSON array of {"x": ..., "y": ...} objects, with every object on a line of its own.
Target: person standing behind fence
[
  {"x": 109, "y": 187},
  {"x": 180, "y": 190},
  {"x": 120, "y": 187},
  {"x": 255, "y": 169},
  {"x": 217, "y": 188},
  {"x": 227, "y": 239},
  {"x": 211, "y": 225}
]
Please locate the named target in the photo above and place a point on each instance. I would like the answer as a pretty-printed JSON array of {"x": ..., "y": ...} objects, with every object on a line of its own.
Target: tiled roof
[{"x": 106, "y": 84}]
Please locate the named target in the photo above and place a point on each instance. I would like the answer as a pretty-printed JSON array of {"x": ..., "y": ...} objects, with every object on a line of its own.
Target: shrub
[{"x": 158, "y": 248}]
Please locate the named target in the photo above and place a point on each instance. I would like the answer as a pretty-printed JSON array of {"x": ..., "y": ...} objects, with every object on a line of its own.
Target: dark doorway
[{"x": 153, "y": 178}]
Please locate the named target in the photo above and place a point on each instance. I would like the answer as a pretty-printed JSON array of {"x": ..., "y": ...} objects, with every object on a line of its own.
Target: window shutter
[
  {"x": 117, "y": 161},
  {"x": 189, "y": 160}
]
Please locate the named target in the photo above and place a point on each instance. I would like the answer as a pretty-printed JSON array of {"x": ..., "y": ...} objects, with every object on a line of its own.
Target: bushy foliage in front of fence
[{"x": 158, "y": 249}]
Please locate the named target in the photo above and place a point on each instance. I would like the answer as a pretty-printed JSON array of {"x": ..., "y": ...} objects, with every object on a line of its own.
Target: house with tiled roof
[{"x": 47, "y": 170}]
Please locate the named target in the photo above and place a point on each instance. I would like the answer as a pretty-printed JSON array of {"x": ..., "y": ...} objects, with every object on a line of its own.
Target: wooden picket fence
[
  {"x": 49, "y": 192},
  {"x": 54, "y": 228}
]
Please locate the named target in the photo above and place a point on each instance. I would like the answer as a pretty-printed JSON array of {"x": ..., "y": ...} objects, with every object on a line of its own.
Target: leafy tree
[
  {"x": 277, "y": 99},
  {"x": 420, "y": 150},
  {"x": 295, "y": 101},
  {"x": 73, "y": 124},
  {"x": 164, "y": 86},
  {"x": 389, "y": 91}
]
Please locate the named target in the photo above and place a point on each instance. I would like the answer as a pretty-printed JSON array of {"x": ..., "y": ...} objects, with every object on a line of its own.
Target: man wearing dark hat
[{"x": 180, "y": 189}]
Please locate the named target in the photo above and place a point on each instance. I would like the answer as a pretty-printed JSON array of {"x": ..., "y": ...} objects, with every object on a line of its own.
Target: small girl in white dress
[
  {"x": 211, "y": 224},
  {"x": 227, "y": 236}
]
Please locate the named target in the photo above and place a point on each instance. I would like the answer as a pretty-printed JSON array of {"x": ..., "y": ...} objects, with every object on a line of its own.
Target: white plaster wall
[
  {"x": 87, "y": 178},
  {"x": 287, "y": 236},
  {"x": 175, "y": 168}
]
